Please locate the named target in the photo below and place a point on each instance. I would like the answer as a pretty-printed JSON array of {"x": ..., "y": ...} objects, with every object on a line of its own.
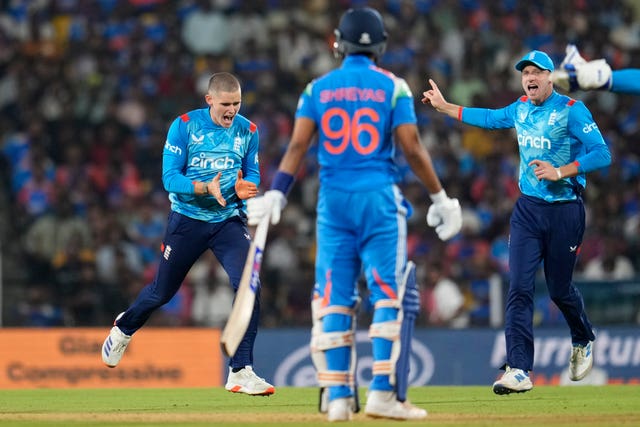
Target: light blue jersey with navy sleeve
[
  {"x": 197, "y": 149},
  {"x": 561, "y": 130},
  {"x": 356, "y": 108}
]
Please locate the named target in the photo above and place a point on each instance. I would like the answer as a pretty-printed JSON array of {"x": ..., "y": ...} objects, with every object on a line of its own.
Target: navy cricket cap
[{"x": 537, "y": 58}]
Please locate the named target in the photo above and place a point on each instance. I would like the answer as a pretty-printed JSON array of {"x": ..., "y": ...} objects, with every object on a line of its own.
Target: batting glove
[
  {"x": 272, "y": 202},
  {"x": 445, "y": 215},
  {"x": 576, "y": 73}
]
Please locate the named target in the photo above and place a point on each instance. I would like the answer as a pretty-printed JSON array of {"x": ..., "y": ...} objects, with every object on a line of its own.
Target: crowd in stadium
[{"x": 88, "y": 89}]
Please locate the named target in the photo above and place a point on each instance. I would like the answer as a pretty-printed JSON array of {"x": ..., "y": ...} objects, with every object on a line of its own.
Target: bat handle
[{"x": 261, "y": 230}]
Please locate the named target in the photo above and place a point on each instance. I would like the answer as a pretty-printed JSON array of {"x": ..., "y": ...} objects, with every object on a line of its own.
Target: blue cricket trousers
[
  {"x": 550, "y": 233},
  {"x": 184, "y": 242}
]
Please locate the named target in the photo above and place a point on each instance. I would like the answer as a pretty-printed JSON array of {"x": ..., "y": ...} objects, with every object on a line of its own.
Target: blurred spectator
[
  {"x": 36, "y": 194},
  {"x": 442, "y": 299},
  {"x": 68, "y": 263},
  {"x": 146, "y": 230},
  {"x": 206, "y": 30},
  {"x": 87, "y": 93},
  {"x": 39, "y": 308},
  {"x": 117, "y": 257},
  {"x": 212, "y": 293},
  {"x": 72, "y": 174},
  {"x": 52, "y": 234},
  {"x": 610, "y": 263}
]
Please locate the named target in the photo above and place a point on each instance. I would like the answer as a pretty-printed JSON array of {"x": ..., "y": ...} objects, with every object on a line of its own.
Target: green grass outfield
[{"x": 611, "y": 405}]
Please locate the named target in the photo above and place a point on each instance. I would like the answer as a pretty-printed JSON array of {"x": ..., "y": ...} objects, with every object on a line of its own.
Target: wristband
[
  {"x": 439, "y": 197},
  {"x": 559, "y": 173},
  {"x": 195, "y": 187},
  {"x": 282, "y": 182}
]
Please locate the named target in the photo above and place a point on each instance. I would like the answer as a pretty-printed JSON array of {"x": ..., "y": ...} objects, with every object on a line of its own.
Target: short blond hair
[{"x": 223, "y": 82}]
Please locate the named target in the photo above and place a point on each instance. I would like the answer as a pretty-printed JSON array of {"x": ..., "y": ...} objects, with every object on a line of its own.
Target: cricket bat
[{"x": 242, "y": 309}]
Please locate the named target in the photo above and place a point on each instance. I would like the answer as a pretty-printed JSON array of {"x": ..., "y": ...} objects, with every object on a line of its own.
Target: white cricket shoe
[
  {"x": 575, "y": 73},
  {"x": 513, "y": 381},
  {"x": 581, "y": 361},
  {"x": 384, "y": 404},
  {"x": 114, "y": 346},
  {"x": 246, "y": 381},
  {"x": 340, "y": 409}
]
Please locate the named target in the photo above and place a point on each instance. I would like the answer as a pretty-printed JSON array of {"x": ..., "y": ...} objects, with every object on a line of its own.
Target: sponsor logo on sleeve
[{"x": 588, "y": 128}]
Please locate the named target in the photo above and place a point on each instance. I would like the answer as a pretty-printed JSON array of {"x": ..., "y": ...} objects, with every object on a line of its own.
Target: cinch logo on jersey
[
  {"x": 588, "y": 128},
  {"x": 172, "y": 148},
  {"x": 352, "y": 94},
  {"x": 218, "y": 163},
  {"x": 534, "y": 141}
]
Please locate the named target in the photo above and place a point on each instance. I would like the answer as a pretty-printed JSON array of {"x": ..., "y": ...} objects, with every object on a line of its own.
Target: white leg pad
[{"x": 322, "y": 341}]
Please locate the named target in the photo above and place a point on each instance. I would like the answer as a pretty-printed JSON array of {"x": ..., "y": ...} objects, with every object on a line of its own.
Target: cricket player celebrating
[
  {"x": 209, "y": 167},
  {"x": 559, "y": 142},
  {"x": 358, "y": 111}
]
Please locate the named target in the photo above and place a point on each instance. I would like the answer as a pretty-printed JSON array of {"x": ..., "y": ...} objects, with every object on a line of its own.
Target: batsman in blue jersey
[
  {"x": 361, "y": 114},
  {"x": 559, "y": 143},
  {"x": 577, "y": 73},
  {"x": 209, "y": 167}
]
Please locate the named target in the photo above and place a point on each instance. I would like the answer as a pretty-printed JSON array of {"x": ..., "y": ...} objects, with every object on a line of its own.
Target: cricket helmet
[{"x": 360, "y": 30}]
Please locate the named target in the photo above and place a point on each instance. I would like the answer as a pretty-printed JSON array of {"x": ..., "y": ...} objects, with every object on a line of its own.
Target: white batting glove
[
  {"x": 272, "y": 202},
  {"x": 576, "y": 73},
  {"x": 445, "y": 215}
]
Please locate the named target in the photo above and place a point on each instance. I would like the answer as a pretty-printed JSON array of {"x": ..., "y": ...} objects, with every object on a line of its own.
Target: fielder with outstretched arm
[{"x": 559, "y": 142}]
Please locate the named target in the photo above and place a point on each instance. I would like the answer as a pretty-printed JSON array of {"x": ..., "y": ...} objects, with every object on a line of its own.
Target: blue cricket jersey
[
  {"x": 561, "y": 130},
  {"x": 196, "y": 150},
  {"x": 626, "y": 81},
  {"x": 355, "y": 108}
]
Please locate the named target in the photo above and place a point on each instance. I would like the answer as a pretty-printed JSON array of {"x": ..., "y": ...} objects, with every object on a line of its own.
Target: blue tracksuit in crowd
[
  {"x": 548, "y": 221},
  {"x": 197, "y": 149}
]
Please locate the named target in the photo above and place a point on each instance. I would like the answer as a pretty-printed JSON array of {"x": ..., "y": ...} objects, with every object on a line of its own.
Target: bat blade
[{"x": 240, "y": 316}]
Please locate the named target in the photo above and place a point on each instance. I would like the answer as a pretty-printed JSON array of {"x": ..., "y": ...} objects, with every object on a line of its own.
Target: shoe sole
[
  {"x": 391, "y": 417},
  {"x": 502, "y": 390},
  {"x": 239, "y": 389},
  {"x": 344, "y": 416},
  {"x": 340, "y": 418},
  {"x": 581, "y": 377},
  {"x": 374, "y": 414},
  {"x": 585, "y": 373}
]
